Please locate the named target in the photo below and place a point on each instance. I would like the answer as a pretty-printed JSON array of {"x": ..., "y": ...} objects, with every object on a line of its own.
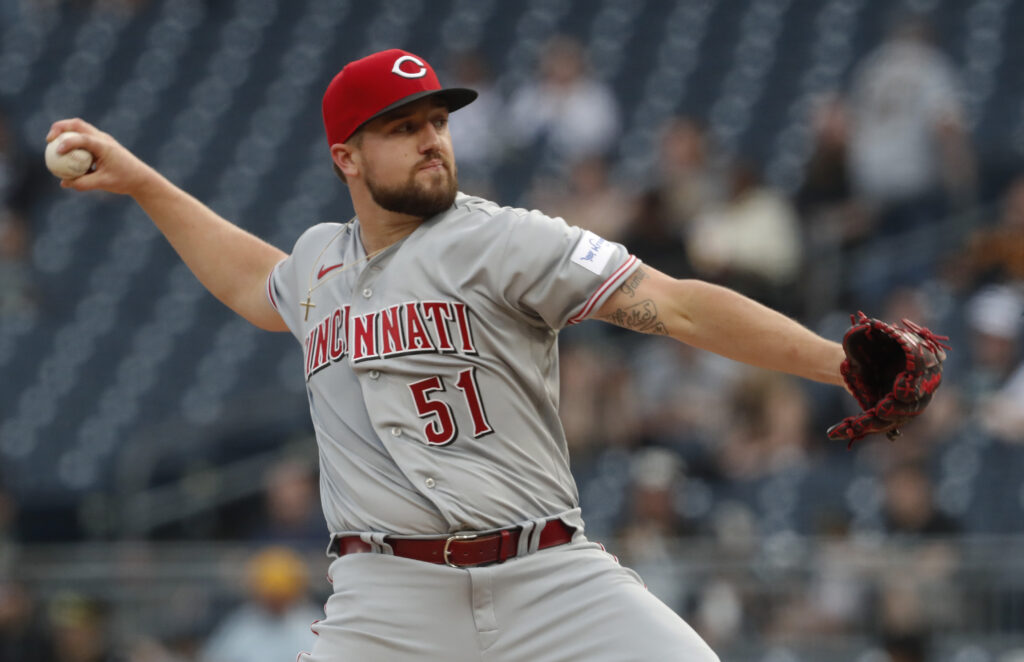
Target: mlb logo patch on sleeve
[{"x": 592, "y": 252}]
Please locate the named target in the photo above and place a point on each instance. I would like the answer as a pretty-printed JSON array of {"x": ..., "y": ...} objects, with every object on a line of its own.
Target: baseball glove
[{"x": 891, "y": 371}]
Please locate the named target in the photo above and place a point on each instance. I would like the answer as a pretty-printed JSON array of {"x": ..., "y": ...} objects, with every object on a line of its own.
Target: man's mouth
[{"x": 433, "y": 164}]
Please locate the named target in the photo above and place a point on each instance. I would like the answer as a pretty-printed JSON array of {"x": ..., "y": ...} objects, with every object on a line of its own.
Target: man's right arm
[{"x": 231, "y": 263}]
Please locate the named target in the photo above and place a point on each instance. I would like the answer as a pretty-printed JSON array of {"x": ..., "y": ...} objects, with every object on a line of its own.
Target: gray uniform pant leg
[{"x": 563, "y": 604}]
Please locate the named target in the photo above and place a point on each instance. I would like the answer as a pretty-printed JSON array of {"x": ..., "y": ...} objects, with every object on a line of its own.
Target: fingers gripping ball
[
  {"x": 892, "y": 371},
  {"x": 73, "y": 164}
]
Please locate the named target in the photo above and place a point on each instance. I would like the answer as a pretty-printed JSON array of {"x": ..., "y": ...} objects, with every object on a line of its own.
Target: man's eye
[{"x": 441, "y": 123}]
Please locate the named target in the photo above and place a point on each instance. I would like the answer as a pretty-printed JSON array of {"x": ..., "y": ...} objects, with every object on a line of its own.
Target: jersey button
[
  {"x": 396, "y": 432},
  {"x": 430, "y": 482},
  {"x": 367, "y": 293},
  {"x": 374, "y": 374}
]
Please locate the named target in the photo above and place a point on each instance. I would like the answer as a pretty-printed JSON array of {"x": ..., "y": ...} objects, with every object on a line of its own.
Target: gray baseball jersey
[{"x": 432, "y": 368}]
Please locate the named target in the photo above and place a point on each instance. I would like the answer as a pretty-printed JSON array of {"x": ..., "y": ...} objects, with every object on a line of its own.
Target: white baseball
[{"x": 67, "y": 166}]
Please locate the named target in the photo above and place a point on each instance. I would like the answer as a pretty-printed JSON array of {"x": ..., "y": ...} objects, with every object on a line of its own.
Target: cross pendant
[{"x": 308, "y": 303}]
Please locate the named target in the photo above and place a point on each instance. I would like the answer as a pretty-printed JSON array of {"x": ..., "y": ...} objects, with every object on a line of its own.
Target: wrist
[
  {"x": 147, "y": 185},
  {"x": 834, "y": 363}
]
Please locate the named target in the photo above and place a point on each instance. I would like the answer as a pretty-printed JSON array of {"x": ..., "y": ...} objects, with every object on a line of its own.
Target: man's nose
[{"x": 430, "y": 138}]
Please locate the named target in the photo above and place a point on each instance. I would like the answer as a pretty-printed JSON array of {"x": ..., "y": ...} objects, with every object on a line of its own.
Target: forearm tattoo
[
  {"x": 629, "y": 287},
  {"x": 641, "y": 316}
]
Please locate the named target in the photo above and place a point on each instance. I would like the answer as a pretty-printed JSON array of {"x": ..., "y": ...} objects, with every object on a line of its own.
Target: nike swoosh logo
[{"x": 326, "y": 270}]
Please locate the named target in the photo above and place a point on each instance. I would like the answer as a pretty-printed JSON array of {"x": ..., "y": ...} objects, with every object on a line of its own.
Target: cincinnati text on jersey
[{"x": 413, "y": 327}]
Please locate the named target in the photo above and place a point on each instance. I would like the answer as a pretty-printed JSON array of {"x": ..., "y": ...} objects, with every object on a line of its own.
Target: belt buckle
[{"x": 446, "y": 551}]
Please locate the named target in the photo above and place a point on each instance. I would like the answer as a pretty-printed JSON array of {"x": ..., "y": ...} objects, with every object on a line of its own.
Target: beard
[{"x": 415, "y": 198}]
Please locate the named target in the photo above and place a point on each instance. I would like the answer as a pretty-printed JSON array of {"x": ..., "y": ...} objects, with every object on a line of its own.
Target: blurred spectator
[
  {"x": 688, "y": 175},
  {"x": 23, "y": 177},
  {"x": 834, "y": 220},
  {"x": 10, "y": 174},
  {"x": 826, "y": 182},
  {"x": 994, "y": 317},
  {"x": 653, "y": 522},
  {"x": 567, "y": 110},
  {"x": 655, "y": 515},
  {"x": 719, "y": 613},
  {"x": 8, "y": 531},
  {"x": 274, "y": 623},
  {"x": 915, "y": 598},
  {"x": 17, "y": 288},
  {"x": 826, "y": 199},
  {"x": 22, "y": 632},
  {"x": 588, "y": 199},
  {"x": 80, "y": 630},
  {"x": 905, "y": 646},
  {"x": 770, "y": 427},
  {"x": 681, "y": 398},
  {"x": 147, "y": 649},
  {"x": 292, "y": 507},
  {"x": 750, "y": 243},
  {"x": 580, "y": 366},
  {"x": 597, "y": 410},
  {"x": 917, "y": 586},
  {"x": 735, "y": 528},
  {"x": 996, "y": 254},
  {"x": 909, "y": 506},
  {"x": 1002, "y": 415},
  {"x": 834, "y": 597},
  {"x": 651, "y": 236},
  {"x": 18, "y": 183},
  {"x": 477, "y": 131},
  {"x": 994, "y": 382},
  {"x": 900, "y": 606},
  {"x": 910, "y": 152}
]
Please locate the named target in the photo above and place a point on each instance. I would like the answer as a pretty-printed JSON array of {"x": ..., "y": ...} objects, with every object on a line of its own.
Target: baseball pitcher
[{"x": 428, "y": 327}]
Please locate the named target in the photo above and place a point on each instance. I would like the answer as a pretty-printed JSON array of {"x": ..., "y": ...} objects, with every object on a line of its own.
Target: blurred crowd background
[{"x": 158, "y": 481}]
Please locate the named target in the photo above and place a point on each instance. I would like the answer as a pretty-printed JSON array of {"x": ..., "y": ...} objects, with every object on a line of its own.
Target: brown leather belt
[{"x": 460, "y": 550}]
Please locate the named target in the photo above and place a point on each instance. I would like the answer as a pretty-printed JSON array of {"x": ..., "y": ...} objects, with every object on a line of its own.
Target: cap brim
[{"x": 453, "y": 97}]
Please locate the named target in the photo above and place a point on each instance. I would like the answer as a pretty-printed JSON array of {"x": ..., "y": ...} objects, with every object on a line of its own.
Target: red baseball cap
[{"x": 378, "y": 83}]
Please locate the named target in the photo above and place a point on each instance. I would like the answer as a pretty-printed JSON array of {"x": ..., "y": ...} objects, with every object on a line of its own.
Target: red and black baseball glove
[{"x": 891, "y": 371}]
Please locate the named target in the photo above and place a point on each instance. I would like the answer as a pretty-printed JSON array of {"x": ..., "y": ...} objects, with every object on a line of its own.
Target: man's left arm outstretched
[{"x": 722, "y": 321}]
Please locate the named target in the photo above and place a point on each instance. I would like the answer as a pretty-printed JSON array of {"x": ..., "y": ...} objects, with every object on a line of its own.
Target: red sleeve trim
[
  {"x": 591, "y": 303},
  {"x": 270, "y": 288}
]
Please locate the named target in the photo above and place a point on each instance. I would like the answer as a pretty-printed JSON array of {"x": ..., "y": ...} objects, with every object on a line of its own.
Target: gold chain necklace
[{"x": 338, "y": 270}]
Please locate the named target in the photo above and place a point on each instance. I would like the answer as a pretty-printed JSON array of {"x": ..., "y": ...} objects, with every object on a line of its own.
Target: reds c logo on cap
[
  {"x": 362, "y": 90},
  {"x": 397, "y": 68}
]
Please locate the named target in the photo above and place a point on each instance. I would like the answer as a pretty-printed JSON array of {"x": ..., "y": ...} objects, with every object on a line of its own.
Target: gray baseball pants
[{"x": 568, "y": 603}]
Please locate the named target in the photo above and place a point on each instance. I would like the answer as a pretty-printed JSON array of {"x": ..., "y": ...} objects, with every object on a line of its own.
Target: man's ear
[{"x": 345, "y": 159}]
